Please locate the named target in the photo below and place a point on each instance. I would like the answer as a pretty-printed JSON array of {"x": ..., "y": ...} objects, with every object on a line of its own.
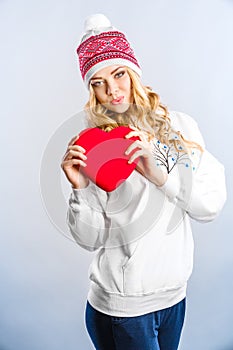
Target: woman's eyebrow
[
  {"x": 116, "y": 70},
  {"x": 110, "y": 73},
  {"x": 96, "y": 78}
]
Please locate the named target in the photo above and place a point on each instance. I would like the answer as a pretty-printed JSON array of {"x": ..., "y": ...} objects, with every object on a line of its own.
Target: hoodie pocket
[{"x": 154, "y": 268}]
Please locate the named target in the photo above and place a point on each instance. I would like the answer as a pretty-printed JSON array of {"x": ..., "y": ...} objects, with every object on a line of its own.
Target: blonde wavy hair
[{"x": 146, "y": 113}]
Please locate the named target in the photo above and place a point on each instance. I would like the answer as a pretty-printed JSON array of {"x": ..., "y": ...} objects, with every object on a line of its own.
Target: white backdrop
[{"x": 186, "y": 53}]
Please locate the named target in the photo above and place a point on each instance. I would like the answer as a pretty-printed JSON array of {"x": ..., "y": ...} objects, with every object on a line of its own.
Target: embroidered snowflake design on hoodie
[{"x": 168, "y": 156}]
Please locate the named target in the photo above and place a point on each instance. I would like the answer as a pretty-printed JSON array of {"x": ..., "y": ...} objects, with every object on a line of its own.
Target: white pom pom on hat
[
  {"x": 103, "y": 45},
  {"x": 96, "y": 21},
  {"x": 96, "y": 24}
]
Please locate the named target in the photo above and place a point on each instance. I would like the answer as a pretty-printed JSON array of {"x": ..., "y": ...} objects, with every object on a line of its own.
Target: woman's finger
[
  {"x": 77, "y": 154},
  {"x": 76, "y": 148},
  {"x": 131, "y": 134},
  {"x": 133, "y": 127},
  {"x": 71, "y": 162},
  {"x": 70, "y": 153},
  {"x": 137, "y": 154},
  {"x": 143, "y": 137},
  {"x": 134, "y": 145}
]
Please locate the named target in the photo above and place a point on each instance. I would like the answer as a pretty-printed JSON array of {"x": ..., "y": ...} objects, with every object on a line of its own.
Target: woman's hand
[
  {"x": 147, "y": 164},
  {"x": 72, "y": 161}
]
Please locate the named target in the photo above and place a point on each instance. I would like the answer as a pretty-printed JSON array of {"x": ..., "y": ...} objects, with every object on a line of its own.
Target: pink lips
[{"x": 117, "y": 101}]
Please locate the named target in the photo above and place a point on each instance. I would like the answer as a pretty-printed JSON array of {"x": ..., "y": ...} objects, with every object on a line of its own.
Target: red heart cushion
[{"x": 107, "y": 165}]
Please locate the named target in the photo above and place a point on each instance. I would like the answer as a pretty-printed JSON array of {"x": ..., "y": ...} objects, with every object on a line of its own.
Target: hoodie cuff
[
  {"x": 91, "y": 196},
  {"x": 84, "y": 194},
  {"x": 172, "y": 186}
]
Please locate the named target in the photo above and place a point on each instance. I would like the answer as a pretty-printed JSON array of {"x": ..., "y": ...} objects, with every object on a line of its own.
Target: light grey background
[{"x": 186, "y": 53}]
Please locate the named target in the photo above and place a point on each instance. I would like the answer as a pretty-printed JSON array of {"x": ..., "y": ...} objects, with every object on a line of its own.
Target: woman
[{"x": 141, "y": 231}]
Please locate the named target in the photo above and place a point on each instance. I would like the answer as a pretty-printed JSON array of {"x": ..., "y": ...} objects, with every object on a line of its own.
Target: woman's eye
[
  {"x": 120, "y": 74},
  {"x": 97, "y": 83}
]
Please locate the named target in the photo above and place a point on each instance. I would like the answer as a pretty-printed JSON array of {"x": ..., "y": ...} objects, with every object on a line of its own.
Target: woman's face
[{"x": 112, "y": 88}]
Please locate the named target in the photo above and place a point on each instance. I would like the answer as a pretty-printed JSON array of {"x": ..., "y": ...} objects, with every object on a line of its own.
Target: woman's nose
[{"x": 112, "y": 88}]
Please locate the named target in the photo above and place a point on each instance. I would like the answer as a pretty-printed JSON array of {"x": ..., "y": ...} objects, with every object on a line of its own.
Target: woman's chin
[{"x": 118, "y": 108}]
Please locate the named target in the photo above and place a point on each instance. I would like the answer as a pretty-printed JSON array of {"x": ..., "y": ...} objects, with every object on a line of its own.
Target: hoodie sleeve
[
  {"x": 86, "y": 216},
  {"x": 196, "y": 182}
]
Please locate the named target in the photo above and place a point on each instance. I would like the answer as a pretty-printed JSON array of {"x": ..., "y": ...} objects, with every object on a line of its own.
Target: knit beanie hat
[{"x": 101, "y": 46}]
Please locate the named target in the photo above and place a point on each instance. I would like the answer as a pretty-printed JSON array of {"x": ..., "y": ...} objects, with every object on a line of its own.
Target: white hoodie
[{"x": 142, "y": 233}]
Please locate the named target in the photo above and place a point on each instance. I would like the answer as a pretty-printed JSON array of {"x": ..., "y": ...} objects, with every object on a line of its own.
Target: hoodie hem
[{"x": 120, "y": 305}]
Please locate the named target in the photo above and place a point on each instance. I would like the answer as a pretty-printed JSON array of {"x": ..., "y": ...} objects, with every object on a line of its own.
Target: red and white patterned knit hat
[{"x": 103, "y": 45}]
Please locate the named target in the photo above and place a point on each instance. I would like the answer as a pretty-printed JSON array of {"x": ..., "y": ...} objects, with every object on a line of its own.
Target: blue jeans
[{"x": 159, "y": 330}]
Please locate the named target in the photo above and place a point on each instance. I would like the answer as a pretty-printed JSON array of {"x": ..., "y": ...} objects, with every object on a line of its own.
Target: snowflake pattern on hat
[{"x": 102, "y": 47}]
